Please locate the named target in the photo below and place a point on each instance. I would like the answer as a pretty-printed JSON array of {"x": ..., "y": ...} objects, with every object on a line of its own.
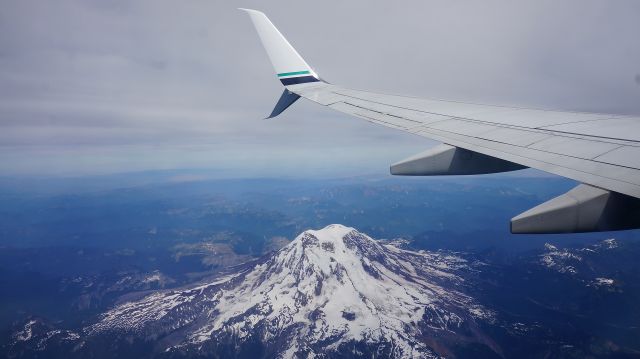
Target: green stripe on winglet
[{"x": 294, "y": 73}]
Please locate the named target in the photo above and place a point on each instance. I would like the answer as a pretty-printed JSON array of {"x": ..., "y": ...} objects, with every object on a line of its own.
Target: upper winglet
[{"x": 289, "y": 65}]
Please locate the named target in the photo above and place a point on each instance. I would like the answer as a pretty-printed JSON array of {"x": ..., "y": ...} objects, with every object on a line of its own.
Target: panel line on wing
[
  {"x": 626, "y": 142},
  {"x": 572, "y": 122}
]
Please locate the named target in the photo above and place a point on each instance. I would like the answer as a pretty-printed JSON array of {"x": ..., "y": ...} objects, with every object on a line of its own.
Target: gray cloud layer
[{"x": 96, "y": 86}]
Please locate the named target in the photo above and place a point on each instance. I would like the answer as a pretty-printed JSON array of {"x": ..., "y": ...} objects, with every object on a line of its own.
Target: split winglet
[{"x": 290, "y": 67}]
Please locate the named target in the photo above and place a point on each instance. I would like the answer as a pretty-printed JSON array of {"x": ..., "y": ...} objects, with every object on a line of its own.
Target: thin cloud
[{"x": 119, "y": 85}]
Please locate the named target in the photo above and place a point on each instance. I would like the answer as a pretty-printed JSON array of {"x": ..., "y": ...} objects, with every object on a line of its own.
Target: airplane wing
[{"x": 599, "y": 150}]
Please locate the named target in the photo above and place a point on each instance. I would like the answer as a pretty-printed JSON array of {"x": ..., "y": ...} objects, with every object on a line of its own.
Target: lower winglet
[{"x": 286, "y": 99}]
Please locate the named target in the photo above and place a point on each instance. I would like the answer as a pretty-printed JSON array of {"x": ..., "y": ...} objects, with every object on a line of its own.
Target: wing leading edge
[{"x": 600, "y": 151}]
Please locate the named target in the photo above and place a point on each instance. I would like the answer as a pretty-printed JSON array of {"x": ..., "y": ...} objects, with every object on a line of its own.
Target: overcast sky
[{"x": 114, "y": 86}]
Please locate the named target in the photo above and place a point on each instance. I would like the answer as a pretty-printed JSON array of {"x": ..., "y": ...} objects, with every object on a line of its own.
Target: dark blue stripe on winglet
[{"x": 298, "y": 80}]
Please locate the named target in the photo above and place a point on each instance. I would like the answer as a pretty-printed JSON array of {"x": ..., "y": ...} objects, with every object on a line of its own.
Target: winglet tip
[{"x": 250, "y": 10}]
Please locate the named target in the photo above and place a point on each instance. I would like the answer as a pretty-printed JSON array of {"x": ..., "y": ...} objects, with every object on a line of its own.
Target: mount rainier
[{"x": 333, "y": 292}]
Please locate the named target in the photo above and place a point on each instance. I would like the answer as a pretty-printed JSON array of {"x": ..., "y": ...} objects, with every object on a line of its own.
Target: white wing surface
[{"x": 601, "y": 151}]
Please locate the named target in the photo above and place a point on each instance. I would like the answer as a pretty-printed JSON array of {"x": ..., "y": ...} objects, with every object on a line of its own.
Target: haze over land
[{"x": 73, "y": 252}]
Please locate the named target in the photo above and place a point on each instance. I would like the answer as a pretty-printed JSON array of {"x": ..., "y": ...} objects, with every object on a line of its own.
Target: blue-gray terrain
[{"x": 174, "y": 264}]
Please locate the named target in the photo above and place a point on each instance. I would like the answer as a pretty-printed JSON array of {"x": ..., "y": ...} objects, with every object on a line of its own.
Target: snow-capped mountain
[
  {"x": 336, "y": 293},
  {"x": 328, "y": 291}
]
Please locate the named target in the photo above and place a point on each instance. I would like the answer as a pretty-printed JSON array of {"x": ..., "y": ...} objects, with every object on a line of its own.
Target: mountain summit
[{"x": 333, "y": 291}]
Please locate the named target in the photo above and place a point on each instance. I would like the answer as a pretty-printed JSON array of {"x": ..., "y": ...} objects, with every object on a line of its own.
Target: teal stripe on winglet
[{"x": 294, "y": 73}]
